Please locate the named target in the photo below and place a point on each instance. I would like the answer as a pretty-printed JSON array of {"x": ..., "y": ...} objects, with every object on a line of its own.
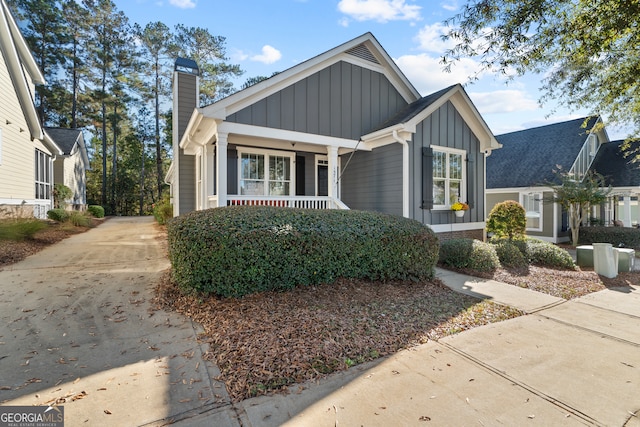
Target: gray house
[
  {"x": 343, "y": 130},
  {"x": 525, "y": 164}
]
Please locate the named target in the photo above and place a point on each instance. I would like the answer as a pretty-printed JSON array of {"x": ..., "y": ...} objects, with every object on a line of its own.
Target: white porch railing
[{"x": 303, "y": 202}]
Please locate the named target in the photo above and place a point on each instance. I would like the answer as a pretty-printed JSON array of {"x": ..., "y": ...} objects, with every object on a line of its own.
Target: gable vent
[{"x": 362, "y": 52}]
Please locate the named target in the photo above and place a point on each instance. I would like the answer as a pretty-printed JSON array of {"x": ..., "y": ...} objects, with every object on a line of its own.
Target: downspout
[{"x": 405, "y": 173}]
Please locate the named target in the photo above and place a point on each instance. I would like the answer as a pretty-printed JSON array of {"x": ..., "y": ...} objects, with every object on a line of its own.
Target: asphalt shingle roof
[
  {"x": 413, "y": 109},
  {"x": 529, "y": 157},
  {"x": 64, "y": 138},
  {"x": 617, "y": 169}
]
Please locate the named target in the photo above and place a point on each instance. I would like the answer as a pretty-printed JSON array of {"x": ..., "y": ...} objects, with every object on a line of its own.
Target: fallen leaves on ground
[
  {"x": 567, "y": 284},
  {"x": 267, "y": 341}
]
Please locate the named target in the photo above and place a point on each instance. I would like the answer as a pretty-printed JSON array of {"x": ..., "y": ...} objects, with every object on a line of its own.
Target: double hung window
[
  {"x": 264, "y": 173},
  {"x": 448, "y": 177}
]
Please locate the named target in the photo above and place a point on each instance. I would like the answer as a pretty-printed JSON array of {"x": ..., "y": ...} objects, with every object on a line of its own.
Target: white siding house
[{"x": 26, "y": 152}]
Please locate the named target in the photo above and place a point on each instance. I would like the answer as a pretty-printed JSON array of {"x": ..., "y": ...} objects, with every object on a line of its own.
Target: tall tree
[
  {"x": 76, "y": 22},
  {"x": 46, "y": 35},
  {"x": 209, "y": 53},
  {"x": 156, "y": 42},
  {"x": 587, "y": 49}
]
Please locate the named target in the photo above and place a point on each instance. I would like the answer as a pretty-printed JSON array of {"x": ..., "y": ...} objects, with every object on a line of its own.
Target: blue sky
[{"x": 265, "y": 36}]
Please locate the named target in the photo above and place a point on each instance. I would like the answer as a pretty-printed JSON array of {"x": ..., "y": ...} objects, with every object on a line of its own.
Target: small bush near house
[
  {"x": 163, "y": 211},
  {"x": 58, "y": 214},
  {"x": 21, "y": 229},
  {"x": 468, "y": 253},
  {"x": 60, "y": 195},
  {"x": 510, "y": 255},
  {"x": 618, "y": 236},
  {"x": 238, "y": 250},
  {"x": 79, "y": 219},
  {"x": 507, "y": 220},
  {"x": 96, "y": 210},
  {"x": 548, "y": 255}
]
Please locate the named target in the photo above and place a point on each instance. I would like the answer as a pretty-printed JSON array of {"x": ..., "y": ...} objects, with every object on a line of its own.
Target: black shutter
[
  {"x": 427, "y": 178},
  {"x": 471, "y": 178}
]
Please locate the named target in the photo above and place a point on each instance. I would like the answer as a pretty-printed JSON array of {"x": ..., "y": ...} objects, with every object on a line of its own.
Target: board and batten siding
[
  {"x": 445, "y": 127},
  {"x": 372, "y": 180},
  {"x": 17, "y": 164},
  {"x": 343, "y": 100},
  {"x": 187, "y": 92}
]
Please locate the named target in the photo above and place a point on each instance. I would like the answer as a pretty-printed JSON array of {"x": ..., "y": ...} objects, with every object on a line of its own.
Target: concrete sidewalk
[{"x": 77, "y": 327}]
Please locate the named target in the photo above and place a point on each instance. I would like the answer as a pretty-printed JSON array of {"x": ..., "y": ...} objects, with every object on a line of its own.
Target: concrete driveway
[{"x": 76, "y": 327}]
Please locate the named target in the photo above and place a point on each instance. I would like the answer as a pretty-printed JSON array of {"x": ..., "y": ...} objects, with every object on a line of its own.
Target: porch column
[
  {"x": 221, "y": 169},
  {"x": 209, "y": 173},
  {"x": 627, "y": 211},
  {"x": 332, "y": 153}
]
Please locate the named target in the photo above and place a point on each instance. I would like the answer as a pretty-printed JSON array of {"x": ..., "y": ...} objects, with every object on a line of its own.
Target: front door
[{"x": 322, "y": 177}]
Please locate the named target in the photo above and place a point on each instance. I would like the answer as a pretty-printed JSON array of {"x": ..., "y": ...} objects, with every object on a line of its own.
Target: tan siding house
[{"x": 26, "y": 153}]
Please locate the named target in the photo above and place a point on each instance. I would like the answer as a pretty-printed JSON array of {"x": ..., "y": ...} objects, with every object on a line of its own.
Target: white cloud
[
  {"x": 183, "y": 4},
  {"x": 429, "y": 38},
  {"x": 380, "y": 10},
  {"x": 427, "y": 73},
  {"x": 503, "y": 101},
  {"x": 450, "y": 6},
  {"x": 269, "y": 55}
]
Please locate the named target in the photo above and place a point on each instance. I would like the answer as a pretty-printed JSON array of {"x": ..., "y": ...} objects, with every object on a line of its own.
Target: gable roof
[
  {"x": 67, "y": 140},
  {"x": 529, "y": 157},
  {"x": 364, "y": 50},
  {"x": 22, "y": 67},
  {"x": 408, "y": 118},
  {"x": 617, "y": 170}
]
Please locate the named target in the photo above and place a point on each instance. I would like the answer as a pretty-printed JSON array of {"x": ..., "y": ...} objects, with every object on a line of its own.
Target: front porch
[{"x": 302, "y": 202}]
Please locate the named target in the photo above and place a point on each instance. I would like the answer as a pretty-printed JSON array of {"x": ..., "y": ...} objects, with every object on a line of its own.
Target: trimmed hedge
[
  {"x": 468, "y": 253},
  {"x": 617, "y": 236},
  {"x": 238, "y": 250},
  {"x": 96, "y": 210},
  {"x": 510, "y": 254},
  {"x": 547, "y": 254},
  {"x": 58, "y": 214}
]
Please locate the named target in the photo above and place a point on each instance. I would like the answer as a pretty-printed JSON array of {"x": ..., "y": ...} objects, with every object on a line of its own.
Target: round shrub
[
  {"x": 507, "y": 219},
  {"x": 237, "y": 250},
  {"x": 510, "y": 254},
  {"x": 58, "y": 214},
  {"x": 548, "y": 255},
  {"x": 468, "y": 253},
  {"x": 96, "y": 210}
]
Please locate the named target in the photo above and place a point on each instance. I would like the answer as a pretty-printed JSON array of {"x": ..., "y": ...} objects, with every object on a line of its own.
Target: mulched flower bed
[{"x": 265, "y": 342}]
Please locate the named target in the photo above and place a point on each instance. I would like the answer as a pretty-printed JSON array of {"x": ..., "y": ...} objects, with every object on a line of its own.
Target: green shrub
[
  {"x": 468, "y": 253},
  {"x": 617, "y": 236},
  {"x": 510, "y": 254},
  {"x": 60, "y": 195},
  {"x": 234, "y": 251},
  {"x": 96, "y": 210},
  {"x": 58, "y": 214},
  {"x": 20, "y": 229},
  {"x": 548, "y": 255},
  {"x": 79, "y": 219},
  {"x": 163, "y": 211},
  {"x": 507, "y": 219}
]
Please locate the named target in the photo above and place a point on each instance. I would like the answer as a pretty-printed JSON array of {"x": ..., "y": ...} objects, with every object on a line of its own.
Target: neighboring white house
[
  {"x": 70, "y": 168},
  {"x": 344, "y": 129},
  {"x": 26, "y": 152}
]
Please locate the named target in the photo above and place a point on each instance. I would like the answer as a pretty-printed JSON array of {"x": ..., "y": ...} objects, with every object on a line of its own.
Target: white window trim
[
  {"x": 266, "y": 154},
  {"x": 463, "y": 182},
  {"x": 536, "y": 195}
]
